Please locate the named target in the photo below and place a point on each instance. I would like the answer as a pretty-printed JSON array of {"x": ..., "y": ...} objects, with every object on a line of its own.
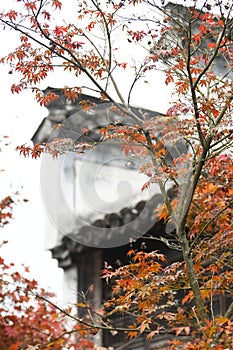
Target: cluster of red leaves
[
  {"x": 43, "y": 99},
  {"x": 132, "y": 138},
  {"x": 64, "y": 42},
  {"x": 211, "y": 231},
  {"x": 55, "y": 147},
  {"x": 138, "y": 35},
  {"x": 35, "y": 152},
  {"x": 27, "y": 319},
  {"x": 150, "y": 292},
  {"x": 145, "y": 290},
  {"x": 219, "y": 329},
  {"x": 213, "y": 199}
]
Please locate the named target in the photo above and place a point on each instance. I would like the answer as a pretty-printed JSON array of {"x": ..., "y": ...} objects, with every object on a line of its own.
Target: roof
[
  {"x": 69, "y": 250},
  {"x": 59, "y": 110},
  {"x": 76, "y": 115}
]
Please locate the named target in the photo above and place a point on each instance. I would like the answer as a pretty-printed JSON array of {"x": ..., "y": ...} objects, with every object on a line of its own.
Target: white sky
[
  {"x": 25, "y": 233},
  {"x": 20, "y": 117}
]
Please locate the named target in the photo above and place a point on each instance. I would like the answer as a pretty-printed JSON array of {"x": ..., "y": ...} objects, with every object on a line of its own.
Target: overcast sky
[{"x": 20, "y": 117}]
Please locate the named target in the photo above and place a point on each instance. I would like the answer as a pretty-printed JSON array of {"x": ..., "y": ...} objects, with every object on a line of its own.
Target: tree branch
[{"x": 229, "y": 312}]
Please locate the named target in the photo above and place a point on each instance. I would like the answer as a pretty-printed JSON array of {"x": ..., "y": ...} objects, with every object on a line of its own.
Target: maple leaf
[
  {"x": 57, "y": 4},
  {"x": 12, "y": 15},
  {"x": 60, "y": 30},
  {"x": 212, "y": 45}
]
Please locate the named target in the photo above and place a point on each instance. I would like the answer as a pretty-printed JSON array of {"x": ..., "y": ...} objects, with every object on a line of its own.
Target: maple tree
[{"x": 192, "y": 44}]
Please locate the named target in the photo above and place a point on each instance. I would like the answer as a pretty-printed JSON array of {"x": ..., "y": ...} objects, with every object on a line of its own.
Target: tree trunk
[{"x": 193, "y": 278}]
